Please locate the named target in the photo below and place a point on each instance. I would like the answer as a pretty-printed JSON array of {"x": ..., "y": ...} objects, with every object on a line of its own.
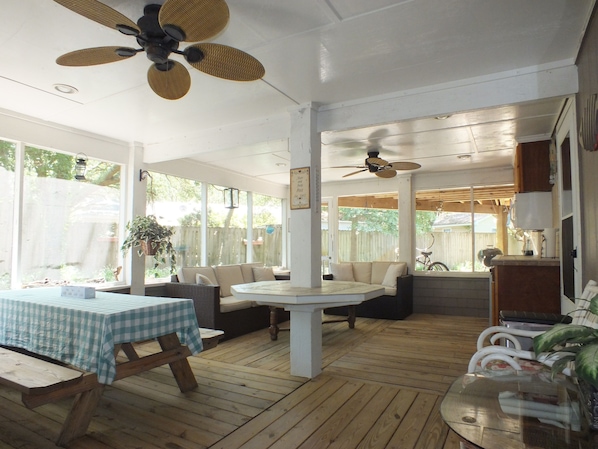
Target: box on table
[{"x": 75, "y": 291}]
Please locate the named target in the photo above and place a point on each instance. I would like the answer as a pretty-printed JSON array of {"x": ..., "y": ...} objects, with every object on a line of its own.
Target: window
[
  {"x": 267, "y": 230},
  {"x": 456, "y": 225},
  {"x": 175, "y": 202},
  {"x": 227, "y": 229},
  {"x": 7, "y": 184},
  {"x": 367, "y": 229},
  {"x": 69, "y": 229}
]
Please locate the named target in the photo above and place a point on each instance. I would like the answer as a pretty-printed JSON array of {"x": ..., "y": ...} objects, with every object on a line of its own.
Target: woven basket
[{"x": 146, "y": 247}]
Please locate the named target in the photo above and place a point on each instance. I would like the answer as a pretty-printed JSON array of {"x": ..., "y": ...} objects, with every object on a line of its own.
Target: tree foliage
[
  {"x": 371, "y": 220},
  {"x": 42, "y": 163},
  {"x": 424, "y": 221}
]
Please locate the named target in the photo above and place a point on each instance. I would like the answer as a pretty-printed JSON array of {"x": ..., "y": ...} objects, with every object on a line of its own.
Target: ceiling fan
[
  {"x": 159, "y": 32},
  {"x": 380, "y": 167}
]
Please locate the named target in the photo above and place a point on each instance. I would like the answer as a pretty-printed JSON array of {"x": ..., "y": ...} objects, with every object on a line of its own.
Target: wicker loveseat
[
  {"x": 216, "y": 308},
  {"x": 397, "y": 301}
]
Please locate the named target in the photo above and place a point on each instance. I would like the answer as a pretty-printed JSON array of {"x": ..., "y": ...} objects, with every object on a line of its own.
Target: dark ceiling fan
[
  {"x": 159, "y": 32},
  {"x": 380, "y": 167}
]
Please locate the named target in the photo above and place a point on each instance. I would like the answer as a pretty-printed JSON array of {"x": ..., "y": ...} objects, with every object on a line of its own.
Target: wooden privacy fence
[{"x": 228, "y": 245}]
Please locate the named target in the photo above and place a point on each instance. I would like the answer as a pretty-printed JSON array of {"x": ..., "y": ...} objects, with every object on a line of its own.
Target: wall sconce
[
  {"x": 80, "y": 166},
  {"x": 231, "y": 198},
  {"x": 143, "y": 174}
]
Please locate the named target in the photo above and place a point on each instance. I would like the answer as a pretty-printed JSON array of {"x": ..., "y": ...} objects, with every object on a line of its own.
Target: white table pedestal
[{"x": 305, "y": 305}]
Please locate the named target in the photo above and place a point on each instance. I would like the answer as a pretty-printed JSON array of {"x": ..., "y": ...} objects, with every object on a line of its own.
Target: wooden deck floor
[{"x": 381, "y": 388}]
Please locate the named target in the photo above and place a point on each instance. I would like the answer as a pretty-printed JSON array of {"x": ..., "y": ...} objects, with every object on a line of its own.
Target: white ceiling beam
[{"x": 466, "y": 95}]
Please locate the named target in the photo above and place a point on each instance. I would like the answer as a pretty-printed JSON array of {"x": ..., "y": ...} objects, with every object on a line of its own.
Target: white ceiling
[{"x": 329, "y": 52}]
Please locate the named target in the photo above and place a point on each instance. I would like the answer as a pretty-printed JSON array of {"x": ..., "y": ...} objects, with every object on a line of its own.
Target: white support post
[
  {"x": 136, "y": 201},
  {"x": 17, "y": 218},
  {"x": 306, "y": 240},
  {"x": 406, "y": 228},
  {"x": 306, "y": 343}
]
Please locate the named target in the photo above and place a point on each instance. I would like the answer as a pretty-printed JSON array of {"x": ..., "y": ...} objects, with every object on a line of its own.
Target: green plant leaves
[
  {"x": 586, "y": 364},
  {"x": 561, "y": 334},
  {"x": 147, "y": 228}
]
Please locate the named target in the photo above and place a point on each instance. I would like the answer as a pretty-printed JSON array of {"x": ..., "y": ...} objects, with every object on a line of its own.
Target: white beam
[{"x": 465, "y": 95}]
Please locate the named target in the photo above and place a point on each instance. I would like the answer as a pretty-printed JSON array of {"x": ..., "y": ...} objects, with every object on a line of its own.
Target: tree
[
  {"x": 51, "y": 164},
  {"x": 424, "y": 221},
  {"x": 371, "y": 220}
]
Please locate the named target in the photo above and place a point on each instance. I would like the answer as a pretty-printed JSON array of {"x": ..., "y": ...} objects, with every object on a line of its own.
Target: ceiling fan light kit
[{"x": 159, "y": 32}]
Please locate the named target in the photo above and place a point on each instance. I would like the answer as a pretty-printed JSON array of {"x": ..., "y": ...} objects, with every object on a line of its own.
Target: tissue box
[{"x": 73, "y": 291}]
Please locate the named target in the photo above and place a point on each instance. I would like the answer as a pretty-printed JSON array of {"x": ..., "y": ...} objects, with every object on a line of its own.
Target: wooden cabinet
[
  {"x": 524, "y": 283},
  {"x": 532, "y": 167}
]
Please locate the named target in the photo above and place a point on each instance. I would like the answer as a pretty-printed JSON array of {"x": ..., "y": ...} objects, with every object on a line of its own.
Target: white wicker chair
[{"x": 491, "y": 342}]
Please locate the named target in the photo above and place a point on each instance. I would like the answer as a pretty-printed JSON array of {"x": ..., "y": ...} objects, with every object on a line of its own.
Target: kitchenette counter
[
  {"x": 525, "y": 284},
  {"x": 526, "y": 261}
]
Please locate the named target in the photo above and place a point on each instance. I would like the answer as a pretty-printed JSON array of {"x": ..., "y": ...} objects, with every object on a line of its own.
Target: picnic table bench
[{"x": 44, "y": 381}]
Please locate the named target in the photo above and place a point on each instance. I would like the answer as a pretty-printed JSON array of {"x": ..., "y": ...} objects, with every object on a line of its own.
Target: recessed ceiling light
[
  {"x": 65, "y": 89},
  {"x": 281, "y": 164},
  {"x": 464, "y": 156},
  {"x": 442, "y": 117}
]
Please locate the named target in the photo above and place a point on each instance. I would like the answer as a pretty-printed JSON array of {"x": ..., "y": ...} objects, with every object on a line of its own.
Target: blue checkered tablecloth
[{"x": 83, "y": 332}]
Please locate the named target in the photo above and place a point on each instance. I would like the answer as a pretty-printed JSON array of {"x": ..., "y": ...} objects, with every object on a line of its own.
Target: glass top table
[{"x": 517, "y": 411}]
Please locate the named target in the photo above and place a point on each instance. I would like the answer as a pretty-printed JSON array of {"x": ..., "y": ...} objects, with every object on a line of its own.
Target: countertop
[{"x": 526, "y": 261}]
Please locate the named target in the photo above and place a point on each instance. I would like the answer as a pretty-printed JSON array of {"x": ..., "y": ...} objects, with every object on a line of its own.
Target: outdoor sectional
[
  {"x": 397, "y": 301},
  {"x": 216, "y": 308}
]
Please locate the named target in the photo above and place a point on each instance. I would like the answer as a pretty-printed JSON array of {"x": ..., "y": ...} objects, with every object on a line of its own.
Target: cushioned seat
[
  {"x": 397, "y": 301},
  {"x": 215, "y": 306}
]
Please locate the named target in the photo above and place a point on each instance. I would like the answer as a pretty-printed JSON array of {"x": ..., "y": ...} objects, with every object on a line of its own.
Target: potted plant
[
  {"x": 152, "y": 238},
  {"x": 576, "y": 344}
]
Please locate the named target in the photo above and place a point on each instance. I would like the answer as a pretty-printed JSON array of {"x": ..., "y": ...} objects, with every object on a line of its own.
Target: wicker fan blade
[
  {"x": 193, "y": 20},
  {"x": 94, "y": 56},
  {"x": 376, "y": 161},
  {"x": 103, "y": 14},
  {"x": 404, "y": 166},
  {"x": 170, "y": 81},
  {"x": 354, "y": 173},
  {"x": 349, "y": 166},
  {"x": 226, "y": 62},
  {"x": 386, "y": 173}
]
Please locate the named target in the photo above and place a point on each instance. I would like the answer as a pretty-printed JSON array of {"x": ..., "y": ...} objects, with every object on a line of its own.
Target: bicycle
[{"x": 424, "y": 259}]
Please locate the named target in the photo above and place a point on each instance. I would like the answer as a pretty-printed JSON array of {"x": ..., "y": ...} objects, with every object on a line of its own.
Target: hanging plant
[{"x": 152, "y": 239}]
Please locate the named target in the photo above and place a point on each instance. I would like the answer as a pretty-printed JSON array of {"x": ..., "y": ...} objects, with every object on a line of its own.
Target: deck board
[{"x": 381, "y": 387}]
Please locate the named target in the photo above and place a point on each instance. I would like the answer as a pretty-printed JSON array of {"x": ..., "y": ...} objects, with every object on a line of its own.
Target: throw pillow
[
  {"x": 392, "y": 273},
  {"x": 228, "y": 275},
  {"x": 342, "y": 271},
  {"x": 263, "y": 274},
  {"x": 202, "y": 280}
]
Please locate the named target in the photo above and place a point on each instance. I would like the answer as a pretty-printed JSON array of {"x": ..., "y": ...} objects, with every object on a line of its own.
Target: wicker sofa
[
  {"x": 215, "y": 307},
  {"x": 397, "y": 301}
]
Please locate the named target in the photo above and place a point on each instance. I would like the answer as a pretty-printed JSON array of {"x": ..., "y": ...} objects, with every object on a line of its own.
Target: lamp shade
[{"x": 532, "y": 210}]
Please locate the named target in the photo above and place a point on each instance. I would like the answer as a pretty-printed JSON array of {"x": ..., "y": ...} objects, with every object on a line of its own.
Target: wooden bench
[
  {"x": 42, "y": 381},
  {"x": 210, "y": 337}
]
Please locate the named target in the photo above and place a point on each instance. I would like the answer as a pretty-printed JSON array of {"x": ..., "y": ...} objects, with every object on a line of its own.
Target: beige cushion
[
  {"x": 230, "y": 304},
  {"x": 379, "y": 269},
  {"x": 247, "y": 270},
  {"x": 187, "y": 274},
  {"x": 228, "y": 275},
  {"x": 389, "y": 291},
  {"x": 362, "y": 272},
  {"x": 202, "y": 280},
  {"x": 392, "y": 273},
  {"x": 263, "y": 274},
  {"x": 342, "y": 271}
]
